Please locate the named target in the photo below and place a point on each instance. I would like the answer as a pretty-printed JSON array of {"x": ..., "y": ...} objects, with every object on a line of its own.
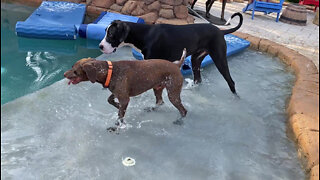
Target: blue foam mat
[
  {"x": 234, "y": 45},
  {"x": 53, "y": 20},
  {"x": 96, "y": 30}
]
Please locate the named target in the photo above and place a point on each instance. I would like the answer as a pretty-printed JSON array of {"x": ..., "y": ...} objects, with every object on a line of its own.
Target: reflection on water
[
  {"x": 34, "y": 60},
  {"x": 29, "y": 64}
]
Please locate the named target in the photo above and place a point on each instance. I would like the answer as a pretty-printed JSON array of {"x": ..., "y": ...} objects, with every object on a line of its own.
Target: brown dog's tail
[{"x": 183, "y": 57}]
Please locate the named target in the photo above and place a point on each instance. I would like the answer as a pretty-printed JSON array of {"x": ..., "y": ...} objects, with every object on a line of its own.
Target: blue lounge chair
[{"x": 266, "y": 7}]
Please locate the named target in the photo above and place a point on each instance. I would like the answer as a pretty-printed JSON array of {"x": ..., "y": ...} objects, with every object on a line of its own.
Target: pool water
[
  {"x": 223, "y": 137},
  {"x": 28, "y": 65}
]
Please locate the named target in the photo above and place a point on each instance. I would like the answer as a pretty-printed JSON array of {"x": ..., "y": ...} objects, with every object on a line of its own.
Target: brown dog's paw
[
  {"x": 112, "y": 129},
  {"x": 120, "y": 123},
  {"x": 178, "y": 122},
  {"x": 150, "y": 109}
]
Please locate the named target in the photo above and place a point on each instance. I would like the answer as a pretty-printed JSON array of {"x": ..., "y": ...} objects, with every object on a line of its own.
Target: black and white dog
[{"x": 164, "y": 41}]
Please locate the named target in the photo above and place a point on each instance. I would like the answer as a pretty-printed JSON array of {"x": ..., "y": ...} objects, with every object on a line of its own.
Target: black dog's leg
[
  {"x": 193, "y": 3},
  {"x": 209, "y": 4},
  {"x": 219, "y": 56},
  {"x": 224, "y": 2},
  {"x": 112, "y": 102},
  {"x": 196, "y": 60}
]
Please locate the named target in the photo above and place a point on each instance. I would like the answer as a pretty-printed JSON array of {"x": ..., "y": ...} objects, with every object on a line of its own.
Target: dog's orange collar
[{"x": 110, "y": 67}]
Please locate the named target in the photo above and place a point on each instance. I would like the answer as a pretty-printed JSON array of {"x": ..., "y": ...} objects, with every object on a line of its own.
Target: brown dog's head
[{"x": 82, "y": 70}]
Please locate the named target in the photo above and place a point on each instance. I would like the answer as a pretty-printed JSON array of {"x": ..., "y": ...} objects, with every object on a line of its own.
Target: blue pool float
[
  {"x": 234, "y": 45},
  {"x": 53, "y": 20},
  {"x": 96, "y": 30}
]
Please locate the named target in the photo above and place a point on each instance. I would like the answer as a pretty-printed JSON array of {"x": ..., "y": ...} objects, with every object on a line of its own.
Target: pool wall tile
[
  {"x": 308, "y": 140},
  {"x": 254, "y": 42},
  {"x": 303, "y": 102},
  {"x": 309, "y": 86},
  {"x": 304, "y": 128},
  {"x": 315, "y": 173},
  {"x": 264, "y": 45},
  {"x": 286, "y": 55},
  {"x": 274, "y": 49},
  {"x": 303, "y": 65}
]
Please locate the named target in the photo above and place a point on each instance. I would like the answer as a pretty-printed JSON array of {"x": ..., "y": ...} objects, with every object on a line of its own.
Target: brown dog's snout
[{"x": 68, "y": 74}]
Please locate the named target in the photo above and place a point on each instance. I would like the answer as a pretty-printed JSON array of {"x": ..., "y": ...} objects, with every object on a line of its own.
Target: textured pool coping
[{"x": 303, "y": 106}]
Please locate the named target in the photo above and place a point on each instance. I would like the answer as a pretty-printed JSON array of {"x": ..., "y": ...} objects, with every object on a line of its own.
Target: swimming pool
[
  {"x": 28, "y": 65},
  {"x": 223, "y": 137}
]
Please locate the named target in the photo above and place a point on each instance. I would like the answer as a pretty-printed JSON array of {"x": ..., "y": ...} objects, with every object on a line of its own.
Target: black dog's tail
[{"x": 228, "y": 31}]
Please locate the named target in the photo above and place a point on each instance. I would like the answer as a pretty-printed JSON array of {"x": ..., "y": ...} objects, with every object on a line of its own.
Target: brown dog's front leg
[
  {"x": 123, "y": 101},
  {"x": 123, "y": 104},
  {"x": 112, "y": 102}
]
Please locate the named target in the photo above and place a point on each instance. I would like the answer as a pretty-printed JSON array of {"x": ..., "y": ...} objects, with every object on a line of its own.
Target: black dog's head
[{"x": 116, "y": 33}]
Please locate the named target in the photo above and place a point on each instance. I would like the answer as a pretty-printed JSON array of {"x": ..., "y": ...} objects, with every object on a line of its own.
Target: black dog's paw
[
  {"x": 236, "y": 96},
  {"x": 178, "y": 122}
]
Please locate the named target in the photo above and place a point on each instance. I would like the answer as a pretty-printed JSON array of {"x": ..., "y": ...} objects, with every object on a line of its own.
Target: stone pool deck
[
  {"x": 298, "y": 47},
  {"x": 304, "y": 39}
]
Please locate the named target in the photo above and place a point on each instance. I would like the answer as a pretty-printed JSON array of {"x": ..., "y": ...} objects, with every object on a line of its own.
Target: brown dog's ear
[{"x": 90, "y": 70}]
